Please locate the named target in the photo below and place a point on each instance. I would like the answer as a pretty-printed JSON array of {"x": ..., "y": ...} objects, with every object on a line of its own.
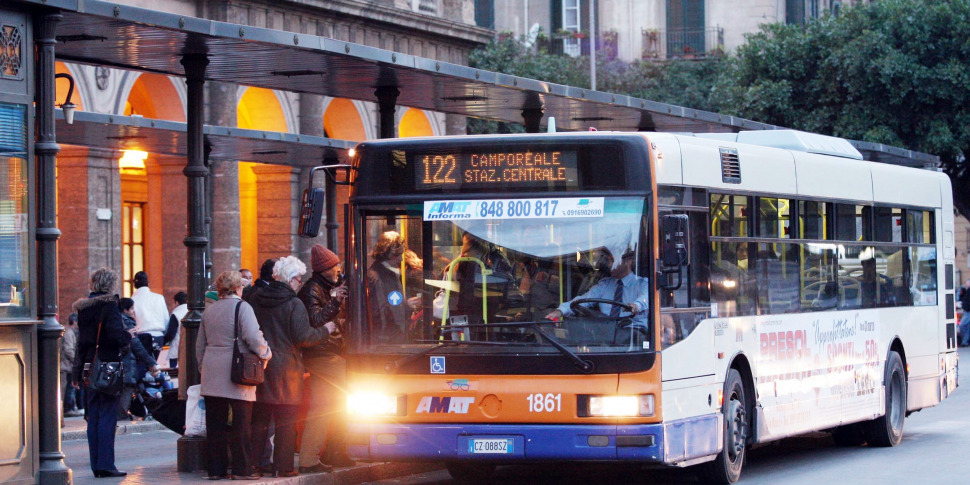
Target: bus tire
[
  {"x": 465, "y": 472},
  {"x": 849, "y": 435},
  {"x": 726, "y": 467},
  {"x": 887, "y": 430}
]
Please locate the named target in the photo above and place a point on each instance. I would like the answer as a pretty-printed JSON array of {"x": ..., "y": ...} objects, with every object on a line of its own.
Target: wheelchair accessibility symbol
[{"x": 437, "y": 365}]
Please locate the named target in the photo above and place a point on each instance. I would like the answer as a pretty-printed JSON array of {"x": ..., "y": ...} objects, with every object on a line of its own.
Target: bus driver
[{"x": 622, "y": 285}]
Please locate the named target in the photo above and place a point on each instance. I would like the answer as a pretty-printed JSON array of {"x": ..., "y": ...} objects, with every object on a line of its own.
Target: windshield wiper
[{"x": 584, "y": 365}]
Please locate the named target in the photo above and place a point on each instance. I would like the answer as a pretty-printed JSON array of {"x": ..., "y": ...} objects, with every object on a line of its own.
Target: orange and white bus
[{"x": 774, "y": 283}]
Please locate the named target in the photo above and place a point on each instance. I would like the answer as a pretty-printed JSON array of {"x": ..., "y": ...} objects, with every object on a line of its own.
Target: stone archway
[
  {"x": 147, "y": 190},
  {"x": 342, "y": 120},
  {"x": 265, "y": 191},
  {"x": 154, "y": 96},
  {"x": 413, "y": 123}
]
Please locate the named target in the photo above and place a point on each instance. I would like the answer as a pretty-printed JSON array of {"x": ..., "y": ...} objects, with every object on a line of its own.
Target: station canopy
[{"x": 125, "y": 37}]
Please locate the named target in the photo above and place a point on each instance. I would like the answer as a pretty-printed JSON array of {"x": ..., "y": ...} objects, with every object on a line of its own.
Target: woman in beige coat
[{"x": 214, "y": 349}]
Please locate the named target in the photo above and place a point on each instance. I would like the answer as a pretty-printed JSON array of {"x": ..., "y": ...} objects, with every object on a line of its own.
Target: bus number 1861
[{"x": 544, "y": 403}]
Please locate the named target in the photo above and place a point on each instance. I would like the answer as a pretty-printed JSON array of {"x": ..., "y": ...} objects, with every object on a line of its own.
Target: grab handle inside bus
[{"x": 673, "y": 248}]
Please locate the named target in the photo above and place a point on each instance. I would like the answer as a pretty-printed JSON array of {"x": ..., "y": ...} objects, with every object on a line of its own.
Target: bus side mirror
[
  {"x": 673, "y": 247},
  {"x": 311, "y": 212}
]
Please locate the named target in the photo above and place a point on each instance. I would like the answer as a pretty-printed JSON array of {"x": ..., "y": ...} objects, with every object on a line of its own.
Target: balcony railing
[
  {"x": 682, "y": 44},
  {"x": 578, "y": 45}
]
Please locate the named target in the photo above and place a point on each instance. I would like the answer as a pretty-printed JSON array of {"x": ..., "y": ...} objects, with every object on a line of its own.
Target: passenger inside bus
[
  {"x": 622, "y": 286},
  {"x": 387, "y": 307},
  {"x": 482, "y": 271},
  {"x": 876, "y": 289}
]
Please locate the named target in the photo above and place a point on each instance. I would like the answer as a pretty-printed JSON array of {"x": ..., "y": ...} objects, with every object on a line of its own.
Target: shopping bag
[{"x": 194, "y": 412}]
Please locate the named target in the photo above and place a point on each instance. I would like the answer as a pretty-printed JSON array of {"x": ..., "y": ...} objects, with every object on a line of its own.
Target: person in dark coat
[
  {"x": 286, "y": 326},
  {"x": 214, "y": 348},
  {"x": 323, "y": 294},
  {"x": 265, "y": 277},
  {"x": 386, "y": 306},
  {"x": 136, "y": 354},
  {"x": 100, "y": 329}
]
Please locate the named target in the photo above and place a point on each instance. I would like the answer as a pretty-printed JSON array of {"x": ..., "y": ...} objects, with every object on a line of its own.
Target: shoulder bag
[
  {"x": 247, "y": 367},
  {"x": 105, "y": 377}
]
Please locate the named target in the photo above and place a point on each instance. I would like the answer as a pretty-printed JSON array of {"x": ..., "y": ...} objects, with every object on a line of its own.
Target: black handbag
[
  {"x": 106, "y": 377},
  {"x": 247, "y": 367}
]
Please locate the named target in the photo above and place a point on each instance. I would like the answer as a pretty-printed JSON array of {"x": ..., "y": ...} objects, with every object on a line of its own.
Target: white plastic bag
[
  {"x": 438, "y": 305},
  {"x": 194, "y": 412}
]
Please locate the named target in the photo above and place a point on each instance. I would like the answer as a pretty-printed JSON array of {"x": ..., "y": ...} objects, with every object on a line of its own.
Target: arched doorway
[
  {"x": 148, "y": 182},
  {"x": 154, "y": 96},
  {"x": 342, "y": 121},
  {"x": 414, "y": 123},
  {"x": 258, "y": 109}
]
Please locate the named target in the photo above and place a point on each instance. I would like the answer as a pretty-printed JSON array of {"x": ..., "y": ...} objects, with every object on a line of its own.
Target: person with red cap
[{"x": 323, "y": 294}]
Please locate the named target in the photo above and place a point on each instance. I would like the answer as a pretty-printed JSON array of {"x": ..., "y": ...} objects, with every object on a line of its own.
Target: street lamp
[{"x": 68, "y": 106}]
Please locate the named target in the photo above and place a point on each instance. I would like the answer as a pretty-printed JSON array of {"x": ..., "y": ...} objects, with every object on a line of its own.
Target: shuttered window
[{"x": 14, "y": 221}]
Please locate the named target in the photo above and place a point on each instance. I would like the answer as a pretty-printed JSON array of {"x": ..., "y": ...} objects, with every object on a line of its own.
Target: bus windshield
[{"x": 487, "y": 276}]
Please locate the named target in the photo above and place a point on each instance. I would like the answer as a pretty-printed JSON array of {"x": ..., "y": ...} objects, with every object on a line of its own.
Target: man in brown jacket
[{"x": 323, "y": 294}]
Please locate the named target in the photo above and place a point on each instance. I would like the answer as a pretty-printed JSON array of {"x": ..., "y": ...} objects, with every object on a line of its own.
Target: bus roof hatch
[{"x": 791, "y": 140}]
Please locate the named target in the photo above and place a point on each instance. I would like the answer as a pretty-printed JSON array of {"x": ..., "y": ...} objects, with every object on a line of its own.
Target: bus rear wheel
[
  {"x": 470, "y": 472},
  {"x": 726, "y": 467},
  {"x": 887, "y": 430}
]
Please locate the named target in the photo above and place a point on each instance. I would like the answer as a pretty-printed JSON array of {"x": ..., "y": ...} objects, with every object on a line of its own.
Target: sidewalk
[{"x": 147, "y": 451}]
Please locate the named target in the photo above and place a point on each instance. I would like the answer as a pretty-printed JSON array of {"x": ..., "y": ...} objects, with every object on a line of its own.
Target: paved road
[{"x": 935, "y": 445}]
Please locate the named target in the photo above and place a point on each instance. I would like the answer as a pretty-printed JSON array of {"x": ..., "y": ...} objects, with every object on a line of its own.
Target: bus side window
[{"x": 694, "y": 292}]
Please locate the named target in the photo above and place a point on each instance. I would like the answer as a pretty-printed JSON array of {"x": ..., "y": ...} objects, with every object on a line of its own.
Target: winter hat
[{"x": 322, "y": 259}]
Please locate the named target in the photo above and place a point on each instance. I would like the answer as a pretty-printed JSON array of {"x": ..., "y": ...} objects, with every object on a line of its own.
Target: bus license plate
[{"x": 481, "y": 446}]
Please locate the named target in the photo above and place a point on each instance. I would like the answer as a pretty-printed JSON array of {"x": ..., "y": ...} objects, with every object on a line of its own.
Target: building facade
[
  {"x": 113, "y": 207},
  {"x": 650, "y": 29},
  {"x": 657, "y": 30}
]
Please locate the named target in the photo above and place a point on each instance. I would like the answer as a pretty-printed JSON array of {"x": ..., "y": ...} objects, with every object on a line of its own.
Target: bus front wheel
[
  {"x": 470, "y": 472},
  {"x": 887, "y": 430},
  {"x": 726, "y": 468}
]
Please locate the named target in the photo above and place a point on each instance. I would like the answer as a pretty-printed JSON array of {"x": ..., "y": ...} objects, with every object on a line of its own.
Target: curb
[
  {"x": 127, "y": 428},
  {"x": 362, "y": 473}
]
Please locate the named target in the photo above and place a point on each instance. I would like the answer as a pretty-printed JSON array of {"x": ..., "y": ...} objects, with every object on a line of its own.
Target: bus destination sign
[{"x": 506, "y": 169}]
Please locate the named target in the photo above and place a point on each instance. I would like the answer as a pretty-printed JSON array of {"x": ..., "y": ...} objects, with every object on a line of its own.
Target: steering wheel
[{"x": 577, "y": 305}]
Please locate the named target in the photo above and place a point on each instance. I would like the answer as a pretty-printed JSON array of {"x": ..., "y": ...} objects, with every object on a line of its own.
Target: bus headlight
[
  {"x": 619, "y": 406},
  {"x": 374, "y": 404}
]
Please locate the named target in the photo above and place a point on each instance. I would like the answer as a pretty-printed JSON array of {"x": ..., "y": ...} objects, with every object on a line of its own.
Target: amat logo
[
  {"x": 448, "y": 210},
  {"x": 444, "y": 405}
]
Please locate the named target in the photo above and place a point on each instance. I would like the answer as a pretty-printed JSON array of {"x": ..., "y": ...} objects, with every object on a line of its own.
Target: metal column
[
  {"x": 191, "y": 450},
  {"x": 387, "y": 102},
  {"x": 52, "y": 468},
  {"x": 330, "y": 196}
]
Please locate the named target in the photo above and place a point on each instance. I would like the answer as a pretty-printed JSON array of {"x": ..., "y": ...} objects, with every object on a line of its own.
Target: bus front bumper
[{"x": 667, "y": 443}]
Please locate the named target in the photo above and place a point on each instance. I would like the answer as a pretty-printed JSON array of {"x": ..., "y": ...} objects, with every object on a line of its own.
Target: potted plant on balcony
[{"x": 651, "y": 44}]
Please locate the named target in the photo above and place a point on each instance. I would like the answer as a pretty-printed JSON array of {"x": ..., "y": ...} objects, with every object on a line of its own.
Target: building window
[
  {"x": 485, "y": 14},
  {"x": 132, "y": 243},
  {"x": 14, "y": 220},
  {"x": 685, "y": 28},
  {"x": 795, "y": 11},
  {"x": 571, "y": 21}
]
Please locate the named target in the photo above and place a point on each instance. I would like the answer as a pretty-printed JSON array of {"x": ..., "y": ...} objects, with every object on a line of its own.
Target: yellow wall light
[{"x": 133, "y": 160}]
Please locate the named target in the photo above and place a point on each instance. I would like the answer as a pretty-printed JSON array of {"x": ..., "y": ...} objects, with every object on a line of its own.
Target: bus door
[{"x": 685, "y": 297}]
